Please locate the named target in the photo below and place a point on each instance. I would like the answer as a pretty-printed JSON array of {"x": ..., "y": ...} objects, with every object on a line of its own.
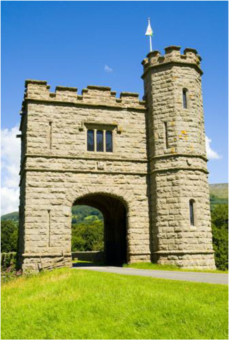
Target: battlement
[
  {"x": 92, "y": 95},
  {"x": 172, "y": 55}
]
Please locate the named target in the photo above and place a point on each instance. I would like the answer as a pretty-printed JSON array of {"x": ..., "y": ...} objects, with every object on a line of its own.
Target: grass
[
  {"x": 154, "y": 266},
  {"x": 79, "y": 304}
]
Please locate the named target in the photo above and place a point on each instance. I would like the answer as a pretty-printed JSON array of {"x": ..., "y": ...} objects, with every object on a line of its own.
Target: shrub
[
  {"x": 9, "y": 236},
  {"x": 87, "y": 236},
  {"x": 220, "y": 235}
]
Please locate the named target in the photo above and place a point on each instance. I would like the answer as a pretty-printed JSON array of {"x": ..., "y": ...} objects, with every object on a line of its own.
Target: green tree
[
  {"x": 87, "y": 236},
  {"x": 9, "y": 236},
  {"x": 220, "y": 235}
]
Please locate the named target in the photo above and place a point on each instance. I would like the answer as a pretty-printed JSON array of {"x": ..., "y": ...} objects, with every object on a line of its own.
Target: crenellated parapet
[
  {"x": 172, "y": 56},
  {"x": 37, "y": 90}
]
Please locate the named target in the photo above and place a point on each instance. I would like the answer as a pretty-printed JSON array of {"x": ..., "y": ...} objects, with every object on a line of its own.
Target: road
[{"x": 162, "y": 274}]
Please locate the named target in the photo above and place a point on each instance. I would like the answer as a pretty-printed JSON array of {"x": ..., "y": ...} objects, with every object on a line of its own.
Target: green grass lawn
[
  {"x": 154, "y": 266},
  {"x": 78, "y": 304}
]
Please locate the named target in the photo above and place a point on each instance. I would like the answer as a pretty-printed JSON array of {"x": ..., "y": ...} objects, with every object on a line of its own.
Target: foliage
[
  {"x": 220, "y": 235},
  {"x": 215, "y": 200},
  {"x": 80, "y": 213},
  {"x": 80, "y": 304},
  {"x": 9, "y": 236},
  {"x": 8, "y": 259},
  {"x": 8, "y": 267},
  {"x": 87, "y": 236}
]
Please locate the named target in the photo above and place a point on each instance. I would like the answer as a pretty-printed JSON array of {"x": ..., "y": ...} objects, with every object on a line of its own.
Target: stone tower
[
  {"x": 179, "y": 190},
  {"x": 141, "y": 163}
]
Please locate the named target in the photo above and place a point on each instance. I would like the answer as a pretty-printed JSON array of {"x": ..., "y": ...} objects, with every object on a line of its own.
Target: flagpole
[{"x": 150, "y": 43}]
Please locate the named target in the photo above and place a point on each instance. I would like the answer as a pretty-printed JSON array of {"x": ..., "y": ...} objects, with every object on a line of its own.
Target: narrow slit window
[
  {"x": 49, "y": 228},
  {"x": 185, "y": 99},
  {"x": 192, "y": 212},
  {"x": 100, "y": 141},
  {"x": 90, "y": 140},
  {"x": 109, "y": 142},
  {"x": 166, "y": 135},
  {"x": 50, "y": 135}
]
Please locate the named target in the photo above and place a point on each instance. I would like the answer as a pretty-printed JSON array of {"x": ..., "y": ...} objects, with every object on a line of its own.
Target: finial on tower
[{"x": 149, "y": 32}]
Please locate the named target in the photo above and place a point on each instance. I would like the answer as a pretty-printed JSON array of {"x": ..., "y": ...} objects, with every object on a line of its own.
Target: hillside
[
  {"x": 218, "y": 193},
  {"x": 11, "y": 216},
  {"x": 219, "y": 190}
]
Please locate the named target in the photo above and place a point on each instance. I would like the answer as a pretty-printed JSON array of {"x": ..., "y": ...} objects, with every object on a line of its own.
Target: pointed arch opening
[{"x": 114, "y": 212}]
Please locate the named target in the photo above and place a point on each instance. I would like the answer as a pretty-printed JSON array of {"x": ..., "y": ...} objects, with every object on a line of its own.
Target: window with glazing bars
[{"x": 99, "y": 140}]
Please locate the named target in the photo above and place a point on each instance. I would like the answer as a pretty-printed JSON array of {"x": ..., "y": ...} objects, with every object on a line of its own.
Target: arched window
[
  {"x": 192, "y": 212},
  {"x": 185, "y": 98}
]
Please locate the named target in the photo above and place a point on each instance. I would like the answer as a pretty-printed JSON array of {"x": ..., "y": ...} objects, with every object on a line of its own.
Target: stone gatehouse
[{"x": 142, "y": 163}]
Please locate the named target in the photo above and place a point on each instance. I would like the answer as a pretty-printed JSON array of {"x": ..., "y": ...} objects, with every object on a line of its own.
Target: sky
[{"x": 77, "y": 44}]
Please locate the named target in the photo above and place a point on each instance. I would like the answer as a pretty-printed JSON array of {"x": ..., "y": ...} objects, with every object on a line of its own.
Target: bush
[
  {"x": 9, "y": 236},
  {"x": 87, "y": 237},
  {"x": 220, "y": 235},
  {"x": 8, "y": 260}
]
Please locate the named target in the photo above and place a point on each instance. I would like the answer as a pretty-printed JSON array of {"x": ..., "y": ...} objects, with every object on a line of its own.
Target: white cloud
[
  {"x": 211, "y": 154},
  {"x": 108, "y": 69},
  {"x": 10, "y": 166},
  {"x": 9, "y": 200}
]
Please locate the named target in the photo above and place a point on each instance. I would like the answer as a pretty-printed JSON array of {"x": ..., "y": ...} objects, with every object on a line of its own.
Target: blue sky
[{"x": 103, "y": 43}]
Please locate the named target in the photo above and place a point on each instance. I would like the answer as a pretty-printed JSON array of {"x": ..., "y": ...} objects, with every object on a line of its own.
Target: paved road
[{"x": 162, "y": 274}]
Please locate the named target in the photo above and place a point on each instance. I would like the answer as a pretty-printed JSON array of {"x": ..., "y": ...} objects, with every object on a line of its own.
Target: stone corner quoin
[{"x": 142, "y": 163}]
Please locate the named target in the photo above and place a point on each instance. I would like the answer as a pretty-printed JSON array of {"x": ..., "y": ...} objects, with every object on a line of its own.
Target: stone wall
[
  {"x": 178, "y": 167},
  {"x": 58, "y": 173},
  {"x": 89, "y": 256}
]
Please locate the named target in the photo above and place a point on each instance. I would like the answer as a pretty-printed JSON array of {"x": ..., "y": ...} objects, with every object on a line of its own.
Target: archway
[{"x": 115, "y": 225}]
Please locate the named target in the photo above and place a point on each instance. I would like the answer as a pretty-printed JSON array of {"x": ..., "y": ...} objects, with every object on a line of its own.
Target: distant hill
[
  {"x": 80, "y": 213},
  {"x": 12, "y": 216},
  {"x": 219, "y": 190},
  {"x": 219, "y": 194}
]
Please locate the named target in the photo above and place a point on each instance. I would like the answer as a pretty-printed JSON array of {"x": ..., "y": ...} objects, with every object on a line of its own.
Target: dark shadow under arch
[{"x": 115, "y": 225}]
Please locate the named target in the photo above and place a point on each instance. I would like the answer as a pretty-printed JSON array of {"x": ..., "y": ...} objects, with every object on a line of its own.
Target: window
[
  {"x": 90, "y": 140},
  {"x": 99, "y": 140},
  {"x": 109, "y": 145},
  {"x": 192, "y": 212},
  {"x": 185, "y": 99}
]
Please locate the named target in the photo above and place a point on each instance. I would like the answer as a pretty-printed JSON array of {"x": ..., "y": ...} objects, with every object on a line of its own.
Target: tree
[
  {"x": 9, "y": 236},
  {"x": 220, "y": 235},
  {"x": 87, "y": 236}
]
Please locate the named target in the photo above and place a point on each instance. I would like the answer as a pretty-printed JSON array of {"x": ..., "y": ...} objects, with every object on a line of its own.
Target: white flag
[{"x": 149, "y": 30}]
